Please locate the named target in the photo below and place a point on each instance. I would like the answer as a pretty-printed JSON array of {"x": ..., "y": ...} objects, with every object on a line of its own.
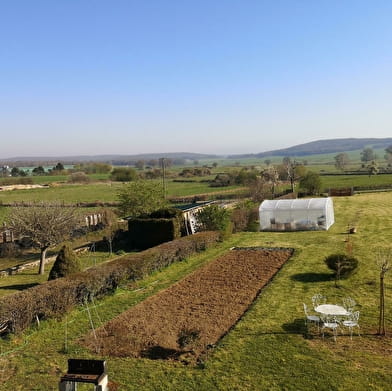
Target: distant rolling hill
[
  {"x": 313, "y": 148},
  {"x": 111, "y": 159},
  {"x": 323, "y": 146}
]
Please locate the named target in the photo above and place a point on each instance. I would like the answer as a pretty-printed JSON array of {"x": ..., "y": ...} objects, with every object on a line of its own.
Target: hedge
[{"x": 56, "y": 297}]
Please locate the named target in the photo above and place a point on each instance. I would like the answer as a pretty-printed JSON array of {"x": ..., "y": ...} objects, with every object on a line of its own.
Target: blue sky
[{"x": 104, "y": 77}]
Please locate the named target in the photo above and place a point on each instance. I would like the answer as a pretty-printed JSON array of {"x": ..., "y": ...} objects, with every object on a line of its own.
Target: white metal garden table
[{"x": 331, "y": 309}]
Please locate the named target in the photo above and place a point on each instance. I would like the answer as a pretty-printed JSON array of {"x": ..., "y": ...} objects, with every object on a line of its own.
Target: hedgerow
[{"x": 56, "y": 297}]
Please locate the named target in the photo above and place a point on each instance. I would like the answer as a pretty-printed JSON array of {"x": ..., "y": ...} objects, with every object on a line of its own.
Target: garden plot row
[{"x": 189, "y": 317}]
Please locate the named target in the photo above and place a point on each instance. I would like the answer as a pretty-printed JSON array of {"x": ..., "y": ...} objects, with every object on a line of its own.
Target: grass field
[
  {"x": 269, "y": 349},
  {"x": 97, "y": 191},
  {"x": 355, "y": 180}
]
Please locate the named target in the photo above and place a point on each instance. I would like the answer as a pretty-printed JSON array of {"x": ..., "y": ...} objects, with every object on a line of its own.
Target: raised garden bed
[{"x": 186, "y": 319}]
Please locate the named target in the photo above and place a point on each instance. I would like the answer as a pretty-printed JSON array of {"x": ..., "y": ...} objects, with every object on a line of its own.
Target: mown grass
[{"x": 269, "y": 349}]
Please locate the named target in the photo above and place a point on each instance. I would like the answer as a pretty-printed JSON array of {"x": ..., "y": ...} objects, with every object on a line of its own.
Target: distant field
[{"x": 355, "y": 180}]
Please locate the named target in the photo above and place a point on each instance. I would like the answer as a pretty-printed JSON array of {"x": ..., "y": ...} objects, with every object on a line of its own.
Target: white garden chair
[
  {"x": 349, "y": 304},
  {"x": 351, "y": 322},
  {"x": 330, "y": 323},
  {"x": 311, "y": 318},
  {"x": 318, "y": 299}
]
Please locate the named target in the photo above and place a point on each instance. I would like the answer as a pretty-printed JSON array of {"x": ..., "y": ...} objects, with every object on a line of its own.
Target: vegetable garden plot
[{"x": 186, "y": 319}]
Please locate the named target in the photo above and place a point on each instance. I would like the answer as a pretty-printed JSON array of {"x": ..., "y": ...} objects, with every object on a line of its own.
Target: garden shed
[{"x": 304, "y": 214}]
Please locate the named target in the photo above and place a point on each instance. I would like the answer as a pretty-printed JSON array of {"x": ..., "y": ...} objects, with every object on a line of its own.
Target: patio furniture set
[{"x": 332, "y": 316}]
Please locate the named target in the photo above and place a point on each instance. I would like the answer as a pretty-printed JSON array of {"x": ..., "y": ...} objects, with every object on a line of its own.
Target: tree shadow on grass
[
  {"x": 312, "y": 277},
  {"x": 298, "y": 326},
  {"x": 19, "y": 287},
  {"x": 160, "y": 353}
]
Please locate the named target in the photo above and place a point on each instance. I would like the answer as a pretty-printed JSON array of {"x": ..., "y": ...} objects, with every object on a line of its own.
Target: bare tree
[
  {"x": 110, "y": 221},
  {"x": 259, "y": 189},
  {"x": 271, "y": 175},
  {"x": 384, "y": 265},
  {"x": 46, "y": 224},
  {"x": 294, "y": 171},
  {"x": 341, "y": 161}
]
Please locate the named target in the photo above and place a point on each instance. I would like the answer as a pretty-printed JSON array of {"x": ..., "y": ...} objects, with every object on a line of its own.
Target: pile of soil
[{"x": 189, "y": 317}]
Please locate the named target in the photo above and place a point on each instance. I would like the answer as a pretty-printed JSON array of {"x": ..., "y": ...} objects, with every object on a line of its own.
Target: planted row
[{"x": 56, "y": 297}]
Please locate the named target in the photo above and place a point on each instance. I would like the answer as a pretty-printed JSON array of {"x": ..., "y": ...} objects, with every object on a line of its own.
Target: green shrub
[
  {"x": 123, "y": 174},
  {"x": 341, "y": 264},
  {"x": 213, "y": 218},
  {"x": 66, "y": 263}
]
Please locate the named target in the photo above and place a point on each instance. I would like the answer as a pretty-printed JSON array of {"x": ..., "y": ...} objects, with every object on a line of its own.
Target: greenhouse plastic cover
[{"x": 296, "y": 214}]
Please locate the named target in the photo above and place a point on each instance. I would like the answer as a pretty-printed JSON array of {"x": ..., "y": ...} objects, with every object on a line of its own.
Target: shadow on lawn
[
  {"x": 312, "y": 277},
  {"x": 160, "y": 353},
  {"x": 297, "y": 326},
  {"x": 19, "y": 287}
]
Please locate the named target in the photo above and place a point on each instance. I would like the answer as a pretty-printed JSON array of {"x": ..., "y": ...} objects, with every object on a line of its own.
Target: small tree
[
  {"x": 388, "y": 154},
  {"x": 46, "y": 224},
  {"x": 372, "y": 168},
  {"x": 140, "y": 164},
  {"x": 341, "y": 161},
  {"x": 213, "y": 218},
  {"x": 260, "y": 189},
  {"x": 311, "y": 182},
  {"x": 110, "y": 221},
  {"x": 66, "y": 263},
  {"x": 271, "y": 175},
  {"x": 123, "y": 174},
  {"x": 384, "y": 265},
  {"x": 367, "y": 155},
  {"x": 38, "y": 171},
  {"x": 58, "y": 167},
  {"x": 140, "y": 197},
  {"x": 341, "y": 264}
]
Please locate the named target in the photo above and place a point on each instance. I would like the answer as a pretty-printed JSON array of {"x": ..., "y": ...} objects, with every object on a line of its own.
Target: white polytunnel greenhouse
[{"x": 304, "y": 214}]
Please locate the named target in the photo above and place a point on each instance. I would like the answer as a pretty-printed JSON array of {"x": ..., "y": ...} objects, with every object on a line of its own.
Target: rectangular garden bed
[{"x": 184, "y": 320}]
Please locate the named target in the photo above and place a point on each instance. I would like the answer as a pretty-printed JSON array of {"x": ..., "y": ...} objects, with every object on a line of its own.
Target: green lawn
[{"x": 268, "y": 349}]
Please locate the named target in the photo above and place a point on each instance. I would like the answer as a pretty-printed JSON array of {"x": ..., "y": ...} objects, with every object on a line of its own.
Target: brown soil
[{"x": 189, "y": 317}]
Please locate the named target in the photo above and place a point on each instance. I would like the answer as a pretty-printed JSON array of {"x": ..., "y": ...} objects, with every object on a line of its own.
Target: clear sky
[{"x": 210, "y": 76}]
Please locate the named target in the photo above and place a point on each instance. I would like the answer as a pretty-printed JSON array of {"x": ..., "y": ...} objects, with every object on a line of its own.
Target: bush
[
  {"x": 311, "y": 182},
  {"x": 245, "y": 217},
  {"x": 213, "y": 218},
  {"x": 122, "y": 174},
  {"x": 66, "y": 263},
  {"x": 79, "y": 177},
  {"x": 56, "y": 297},
  {"x": 342, "y": 265}
]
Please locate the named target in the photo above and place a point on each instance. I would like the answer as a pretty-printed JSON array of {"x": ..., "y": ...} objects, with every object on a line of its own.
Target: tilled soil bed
[{"x": 189, "y": 317}]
